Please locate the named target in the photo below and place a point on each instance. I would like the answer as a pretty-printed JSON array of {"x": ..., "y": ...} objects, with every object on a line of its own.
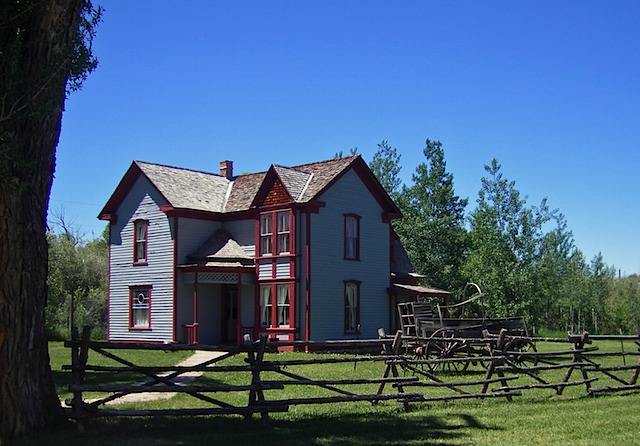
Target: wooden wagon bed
[
  {"x": 423, "y": 320},
  {"x": 431, "y": 335}
]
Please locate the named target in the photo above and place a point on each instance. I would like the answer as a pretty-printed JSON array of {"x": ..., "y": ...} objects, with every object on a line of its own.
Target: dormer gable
[{"x": 272, "y": 191}]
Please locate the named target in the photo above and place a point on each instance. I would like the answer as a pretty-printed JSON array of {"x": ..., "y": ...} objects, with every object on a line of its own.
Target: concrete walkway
[{"x": 184, "y": 379}]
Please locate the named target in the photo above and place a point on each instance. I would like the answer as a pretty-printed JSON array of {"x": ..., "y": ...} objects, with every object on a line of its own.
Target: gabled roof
[
  {"x": 294, "y": 180},
  {"x": 193, "y": 190},
  {"x": 188, "y": 189}
]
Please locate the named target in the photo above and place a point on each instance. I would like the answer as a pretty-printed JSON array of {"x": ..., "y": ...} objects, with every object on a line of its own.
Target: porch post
[
  {"x": 239, "y": 308},
  {"x": 195, "y": 307}
]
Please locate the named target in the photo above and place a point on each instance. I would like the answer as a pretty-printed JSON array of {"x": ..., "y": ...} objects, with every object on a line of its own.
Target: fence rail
[{"x": 407, "y": 377}]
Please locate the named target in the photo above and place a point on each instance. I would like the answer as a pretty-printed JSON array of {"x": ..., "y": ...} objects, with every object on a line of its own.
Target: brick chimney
[{"x": 226, "y": 169}]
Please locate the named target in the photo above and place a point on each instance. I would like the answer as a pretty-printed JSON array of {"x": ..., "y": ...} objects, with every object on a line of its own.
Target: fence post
[
  {"x": 496, "y": 362},
  {"x": 577, "y": 358},
  {"x": 256, "y": 395}
]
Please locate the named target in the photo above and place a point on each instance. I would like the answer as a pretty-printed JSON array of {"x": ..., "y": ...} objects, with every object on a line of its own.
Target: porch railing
[{"x": 191, "y": 333}]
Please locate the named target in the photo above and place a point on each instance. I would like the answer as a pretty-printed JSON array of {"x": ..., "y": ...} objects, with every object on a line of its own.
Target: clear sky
[{"x": 549, "y": 88}]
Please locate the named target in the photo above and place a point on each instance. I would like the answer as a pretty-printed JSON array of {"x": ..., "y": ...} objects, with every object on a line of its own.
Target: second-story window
[
  {"x": 352, "y": 237},
  {"x": 278, "y": 241},
  {"x": 266, "y": 234},
  {"x": 140, "y": 241},
  {"x": 284, "y": 232}
]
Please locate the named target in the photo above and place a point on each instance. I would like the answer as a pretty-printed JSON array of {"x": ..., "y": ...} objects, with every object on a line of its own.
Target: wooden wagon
[{"x": 433, "y": 334}]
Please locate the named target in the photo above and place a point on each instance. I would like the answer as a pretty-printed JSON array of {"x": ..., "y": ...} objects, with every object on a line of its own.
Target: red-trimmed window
[
  {"x": 266, "y": 234},
  {"x": 280, "y": 238},
  {"x": 140, "y": 307},
  {"x": 140, "y": 241},
  {"x": 275, "y": 305},
  {"x": 265, "y": 305},
  {"x": 284, "y": 232},
  {"x": 352, "y": 307},
  {"x": 351, "y": 237},
  {"x": 283, "y": 304}
]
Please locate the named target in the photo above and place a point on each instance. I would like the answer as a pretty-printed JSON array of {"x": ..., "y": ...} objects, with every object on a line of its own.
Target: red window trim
[
  {"x": 145, "y": 260},
  {"x": 273, "y": 285},
  {"x": 357, "y": 218},
  {"x": 132, "y": 290},
  {"x": 274, "y": 234},
  {"x": 357, "y": 321}
]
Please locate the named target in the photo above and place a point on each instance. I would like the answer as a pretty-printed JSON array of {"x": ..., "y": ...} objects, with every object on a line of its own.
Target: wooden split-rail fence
[{"x": 498, "y": 372}]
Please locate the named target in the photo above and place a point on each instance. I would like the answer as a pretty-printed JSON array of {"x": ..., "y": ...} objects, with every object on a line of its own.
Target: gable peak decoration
[{"x": 276, "y": 192}]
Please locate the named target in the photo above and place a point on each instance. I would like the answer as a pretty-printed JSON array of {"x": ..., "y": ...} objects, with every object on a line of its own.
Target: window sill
[
  {"x": 139, "y": 328},
  {"x": 277, "y": 256},
  {"x": 145, "y": 263}
]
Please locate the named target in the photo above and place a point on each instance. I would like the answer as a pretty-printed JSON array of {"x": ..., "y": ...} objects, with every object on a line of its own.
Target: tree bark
[{"x": 37, "y": 38}]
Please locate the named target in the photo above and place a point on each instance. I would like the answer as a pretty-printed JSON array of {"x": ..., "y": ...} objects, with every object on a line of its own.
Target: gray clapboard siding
[
  {"x": 192, "y": 234},
  {"x": 243, "y": 232},
  {"x": 142, "y": 202},
  {"x": 329, "y": 270}
]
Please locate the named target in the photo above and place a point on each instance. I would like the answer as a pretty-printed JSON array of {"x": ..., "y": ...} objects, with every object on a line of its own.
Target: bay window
[
  {"x": 284, "y": 232},
  {"x": 266, "y": 234},
  {"x": 284, "y": 305},
  {"x": 275, "y": 305},
  {"x": 265, "y": 305},
  {"x": 280, "y": 238}
]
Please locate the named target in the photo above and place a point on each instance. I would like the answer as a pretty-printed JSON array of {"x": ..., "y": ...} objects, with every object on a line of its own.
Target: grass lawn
[{"x": 538, "y": 417}]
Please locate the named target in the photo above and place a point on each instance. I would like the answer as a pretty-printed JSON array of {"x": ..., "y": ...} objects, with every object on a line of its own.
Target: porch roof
[
  {"x": 220, "y": 250},
  {"x": 406, "y": 289}
]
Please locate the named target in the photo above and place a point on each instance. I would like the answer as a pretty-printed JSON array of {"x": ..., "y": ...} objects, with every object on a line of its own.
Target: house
[{"x": 299, "y": 253}]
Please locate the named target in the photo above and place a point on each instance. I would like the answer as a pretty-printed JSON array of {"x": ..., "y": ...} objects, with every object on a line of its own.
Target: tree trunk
[{"x": 37, "y": 39}]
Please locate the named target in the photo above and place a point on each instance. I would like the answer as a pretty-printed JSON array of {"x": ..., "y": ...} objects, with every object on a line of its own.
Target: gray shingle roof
[
  {"x": 324, "y": 172},
  {"x": 188, "y": 189},
  {"x": 202, "y": 191},
  {"x": 220, "y": 246},
  {"x": 294, "y": 180}
]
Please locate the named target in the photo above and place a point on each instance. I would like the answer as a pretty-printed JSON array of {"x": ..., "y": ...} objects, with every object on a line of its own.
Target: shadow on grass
[{"x": 360, "y": 429}]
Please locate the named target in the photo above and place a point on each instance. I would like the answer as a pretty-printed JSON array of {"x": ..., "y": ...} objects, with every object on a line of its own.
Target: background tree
[
  {"x": 550, "y": 272},
  {"x": 622, "y": 306},
  {"x": 46, "y": 53},
  {"x": 508, "y": 246},
  {"x": 77, "y": 282},
  {"x": 385, "y": 165},
  {"x": 432, "y": 229}
]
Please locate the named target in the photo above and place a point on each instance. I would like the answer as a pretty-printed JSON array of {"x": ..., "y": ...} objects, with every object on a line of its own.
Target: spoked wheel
[
  {"x": 419, "y": 354},
  {"x": 518, "y": 349},
  {"x": 444, "y": 346}
]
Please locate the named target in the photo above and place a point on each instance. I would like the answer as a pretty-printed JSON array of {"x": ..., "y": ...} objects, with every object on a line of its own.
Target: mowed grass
[{"x": 537, "y": 417}]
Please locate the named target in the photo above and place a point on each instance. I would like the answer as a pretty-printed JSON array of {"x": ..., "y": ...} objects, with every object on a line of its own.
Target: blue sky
[{"x": 551, "y": 89}]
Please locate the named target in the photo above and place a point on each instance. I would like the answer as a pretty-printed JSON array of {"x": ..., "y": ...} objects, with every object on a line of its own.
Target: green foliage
[
  {"x": 77, "y": 274},
  {"x": 352, "y": 152},
  {"x": 29, "y": 82},
  {"x": 522, "y": 256},
  {"x": 431, "y": 229},
  {"x": 622, "y": 306},
  {"x": 385, "y": 165},
  {"x": 514, "y": 257}
]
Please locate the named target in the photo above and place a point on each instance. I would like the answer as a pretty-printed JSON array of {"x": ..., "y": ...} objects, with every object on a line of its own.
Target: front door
[{"x": 229, "y": 314}]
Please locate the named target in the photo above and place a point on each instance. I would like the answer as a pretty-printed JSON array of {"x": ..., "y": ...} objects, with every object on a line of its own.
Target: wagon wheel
[
  {"x": 419, "y": 354},
  {"x": 519, "y": 349},
  {"x": 442, "y": 345}
]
